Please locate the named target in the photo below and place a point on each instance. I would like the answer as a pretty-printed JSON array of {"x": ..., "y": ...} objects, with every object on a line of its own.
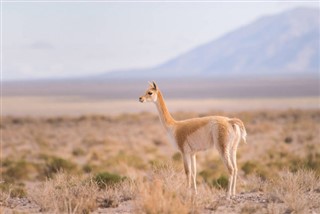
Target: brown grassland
[{"x": 124, "y": 164}]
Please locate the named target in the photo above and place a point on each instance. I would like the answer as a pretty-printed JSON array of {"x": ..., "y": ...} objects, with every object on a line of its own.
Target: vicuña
[{"x": 199, "y": 134}]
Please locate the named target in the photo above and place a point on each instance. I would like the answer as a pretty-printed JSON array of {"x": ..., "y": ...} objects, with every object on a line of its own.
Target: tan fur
[
  {"x": 168, "y": 120},
  {"x": 223, "y": 128},
  {"x": 197, "y": 134},
  {"x": 236, "y": 121},
  {"x": 185, "y": 128}
]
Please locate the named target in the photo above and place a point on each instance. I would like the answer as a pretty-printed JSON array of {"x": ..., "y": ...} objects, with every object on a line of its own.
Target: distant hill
[{"x": 286, "y": 44}]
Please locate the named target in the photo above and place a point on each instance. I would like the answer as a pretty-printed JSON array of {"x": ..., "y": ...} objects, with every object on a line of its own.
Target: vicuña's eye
[{"x": 150, "y": 93}]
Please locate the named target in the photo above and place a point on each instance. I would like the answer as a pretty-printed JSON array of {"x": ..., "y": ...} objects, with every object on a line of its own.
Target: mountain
[{"x": 283, "y": 44}]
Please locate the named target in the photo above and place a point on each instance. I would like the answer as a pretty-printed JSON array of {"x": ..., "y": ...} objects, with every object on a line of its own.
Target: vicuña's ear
[
  {"x": 155, "y": 85},
  {"x": 151, "y": 84}
]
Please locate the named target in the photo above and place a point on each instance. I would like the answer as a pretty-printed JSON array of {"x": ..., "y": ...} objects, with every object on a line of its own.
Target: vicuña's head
[{"x": 151, "y": 94}]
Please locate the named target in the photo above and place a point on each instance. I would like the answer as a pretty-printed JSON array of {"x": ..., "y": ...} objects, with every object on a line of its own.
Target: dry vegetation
[{"x": 114, "y": 164}]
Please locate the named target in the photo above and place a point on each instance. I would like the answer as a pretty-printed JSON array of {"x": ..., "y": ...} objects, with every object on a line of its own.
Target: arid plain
[{"x": 80, "y": 154}]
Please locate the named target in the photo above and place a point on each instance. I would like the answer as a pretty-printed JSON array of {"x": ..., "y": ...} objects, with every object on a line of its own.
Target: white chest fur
[{"x": 172, "y": 139}]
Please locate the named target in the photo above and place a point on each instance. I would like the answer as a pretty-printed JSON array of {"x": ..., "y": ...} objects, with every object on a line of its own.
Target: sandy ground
[
  {"x": 258, "y": 201},
  {"x": 72, "y": 105},
  {"x": 224, "y": 206}
]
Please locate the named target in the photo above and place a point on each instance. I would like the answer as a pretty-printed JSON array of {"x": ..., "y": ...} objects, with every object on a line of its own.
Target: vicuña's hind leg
[
  {"x": 227, "y": 161},
  {"x": 187, "y": 167},
  {"x": 233, "y": 155},
  {"x": 194, "y": 172},
  {"x": 223, "y": 145}
]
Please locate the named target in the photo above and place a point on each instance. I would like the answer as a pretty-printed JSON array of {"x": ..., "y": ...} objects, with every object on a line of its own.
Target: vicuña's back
[{"x": 198, "y": 134}]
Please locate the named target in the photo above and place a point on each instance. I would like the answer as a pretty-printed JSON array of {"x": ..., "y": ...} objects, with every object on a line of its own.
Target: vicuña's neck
[{"x": 164, "y": 114}]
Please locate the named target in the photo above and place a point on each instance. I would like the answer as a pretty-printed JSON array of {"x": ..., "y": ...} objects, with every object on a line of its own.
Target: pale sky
[{"x": 72, "y": 39}]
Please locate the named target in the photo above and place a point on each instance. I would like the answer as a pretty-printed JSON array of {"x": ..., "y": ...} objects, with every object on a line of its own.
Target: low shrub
[
  {"x": 176, "y": 156},
  {"x": 56, "y": 164},
  {"x": 249, "y": 167},
  {"x": 78, "y": 152},
  {"x": 256, "y": 168},
  {"x": 17, "y": 170},
  {"x": 104, "y": 179},
  {"x": 288, "y": 140},
  {"x": 221, "y": 182},
  {"x": 87, "y": 168},
  {"x": 13, "y": 190}
]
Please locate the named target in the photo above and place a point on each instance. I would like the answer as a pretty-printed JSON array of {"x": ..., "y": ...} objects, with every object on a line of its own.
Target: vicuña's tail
[{"x": 239, "y": 123}]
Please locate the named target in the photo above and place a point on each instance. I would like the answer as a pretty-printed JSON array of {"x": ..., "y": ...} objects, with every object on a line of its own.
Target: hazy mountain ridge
[{"x": 282, "y": 44}]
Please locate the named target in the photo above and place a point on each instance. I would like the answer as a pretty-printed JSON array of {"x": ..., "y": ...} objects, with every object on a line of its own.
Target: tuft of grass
[
  {"x": 293, "y": 189},
  {"x": 176, "y": 156},
  {"x": 221, "y": 182},
  {"x": 87, "y": 168},
  {"x": 78, "y": 152},
  {"x": 18, "y": 191},
  {"x": 255, "y": 183},
  {"x": 155, "y": 197},
  {"x": 65, "y": 193},
  {"x": 117, "y": 193},
  {"x": 275, "y": 208},
  {"x": 288, "y": 140},
  {"x": 166, "y": 191},
  {"x": 248, "y": 167},
  {"x": 312, "y": 162},
  {"x": 54, "y": 165},
  {"x": 205, "y": 174},
  {"x": 255, "y": 168},
  {"x": 18, "y": 170},
  {"x": 104, "y": 179},
  {"x": 4, "y": 197},
  {"x": 158, "y": 142},
  {"x": 12, "y": 190}
]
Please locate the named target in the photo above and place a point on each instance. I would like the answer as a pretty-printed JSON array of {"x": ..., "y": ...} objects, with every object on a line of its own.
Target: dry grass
[
  {"x": 113, "y": 195},
  {"x": 165, "y": 191},
  {"x": 66, "y": 194},
  {"x": 161, "y": 192},
  {"x": 4, "y": 197},
  {"x": 296, "y": 190},
  {"x": 279, "y": 168},
  {"x": 157, "y": 198}
]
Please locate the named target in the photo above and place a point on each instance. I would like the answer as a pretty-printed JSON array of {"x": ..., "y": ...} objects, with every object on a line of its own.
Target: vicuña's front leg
[
  {"x": 187, "y": 168},
  {"x": 194, "y": 172}
]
